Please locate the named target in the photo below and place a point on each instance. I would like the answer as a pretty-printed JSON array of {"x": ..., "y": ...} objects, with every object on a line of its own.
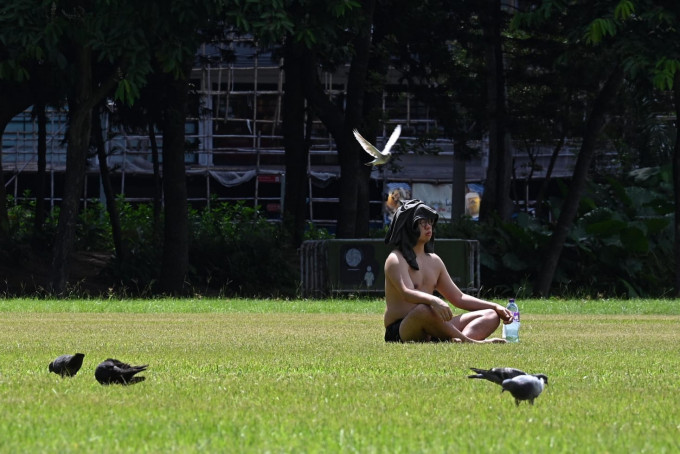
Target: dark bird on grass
[
  {"x": 525, "y": 387},
  {"x": 380, "y": 157},
  {"x": 498, "y": 374},
  {"x": 67, "y": 365},
  {"x": 113, "y": 371}
]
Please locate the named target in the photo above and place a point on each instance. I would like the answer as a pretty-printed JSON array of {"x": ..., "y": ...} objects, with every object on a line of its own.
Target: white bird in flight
[{"x": 381, "y": 157}]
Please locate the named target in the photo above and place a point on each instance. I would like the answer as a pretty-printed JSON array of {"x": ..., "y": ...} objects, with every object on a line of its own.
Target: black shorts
[{"x": 392, "y": 332}]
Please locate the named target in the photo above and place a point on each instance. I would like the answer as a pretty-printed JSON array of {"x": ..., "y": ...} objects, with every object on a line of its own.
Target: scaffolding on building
[{"x": 235, "y": 147}]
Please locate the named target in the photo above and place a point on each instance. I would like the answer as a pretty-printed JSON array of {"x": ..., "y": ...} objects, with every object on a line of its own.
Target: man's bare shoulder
[
  {"x": 434, "y": 263},
  {"x": 395, "y": 255},
  {"x": 394, "y": 258},
  {"x": 435, "y": 257}
]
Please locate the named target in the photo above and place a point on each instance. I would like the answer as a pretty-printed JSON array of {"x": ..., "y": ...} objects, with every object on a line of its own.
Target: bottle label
[{"x": 515, "y": 316}]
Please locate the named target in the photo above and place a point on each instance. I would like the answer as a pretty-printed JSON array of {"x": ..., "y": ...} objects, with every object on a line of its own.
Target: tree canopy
[{"x": 549, "y": 71}]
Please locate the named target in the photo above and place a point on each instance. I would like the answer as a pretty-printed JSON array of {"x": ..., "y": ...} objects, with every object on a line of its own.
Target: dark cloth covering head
[{"x": 403, "y": 232}]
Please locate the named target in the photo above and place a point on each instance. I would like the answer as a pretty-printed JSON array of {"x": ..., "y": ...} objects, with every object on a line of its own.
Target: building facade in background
[{"x": 235, "y": 149}]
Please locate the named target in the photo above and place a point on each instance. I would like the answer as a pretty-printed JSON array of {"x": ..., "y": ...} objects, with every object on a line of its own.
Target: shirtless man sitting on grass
[{"x": 413, "y": 272}]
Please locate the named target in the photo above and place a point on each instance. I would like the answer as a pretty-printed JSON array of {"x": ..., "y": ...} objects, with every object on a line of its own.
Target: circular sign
[{"x": 353, "y": 257}]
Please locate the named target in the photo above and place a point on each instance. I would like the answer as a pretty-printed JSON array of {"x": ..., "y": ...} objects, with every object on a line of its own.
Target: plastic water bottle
[{"x": 511, "y": 330}]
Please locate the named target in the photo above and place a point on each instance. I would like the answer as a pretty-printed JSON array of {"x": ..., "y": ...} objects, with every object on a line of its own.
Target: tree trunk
[
  {"x": 497, "y": 184},
  {"x": 14, "y": 99},
  {"x": 594, "y": 125},
  {"x": 297, "y": 151},
  {"x": 40, "y": 210},
  {"x": 353, "y": 216},
  {"x": 376, "y": 74},
  {"x": 458, "y": 185},
  {"x": 78, "y": 137},
  {"x": 353, "y": 209},
  {"x": 541, "y": 210},
  {"x": 337, "y": 124},
  {"x": 4, "y": 217},
  {"x": 176, "y": 242},
  {"x": 676, "y": 183},
  {"x": 157, "y": 185},
  {"x": 111, "y": 207}
]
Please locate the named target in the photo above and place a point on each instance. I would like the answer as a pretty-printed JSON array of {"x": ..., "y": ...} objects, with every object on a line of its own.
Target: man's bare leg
[
  {"x": 478, "y": 325},
  {"x": 423, "y": 323}
]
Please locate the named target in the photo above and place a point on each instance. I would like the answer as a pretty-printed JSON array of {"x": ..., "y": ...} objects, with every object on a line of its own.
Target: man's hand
[
  {"x": 504, "y": 314},
  {"x": 442, "y": 308}
]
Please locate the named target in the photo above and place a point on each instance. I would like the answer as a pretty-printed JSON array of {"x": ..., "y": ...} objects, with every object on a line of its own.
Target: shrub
[
  {"x": 620, "y": 245},
  {"x": 235, "y": 248}
]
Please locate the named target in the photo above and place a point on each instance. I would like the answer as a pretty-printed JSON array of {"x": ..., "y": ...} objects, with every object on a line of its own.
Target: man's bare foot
[{"x": 495, "y": 340}]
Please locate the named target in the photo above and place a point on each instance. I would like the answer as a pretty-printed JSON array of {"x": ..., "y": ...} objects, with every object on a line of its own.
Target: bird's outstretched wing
[
  {"x": 392, "y": 140},
  {"x": 366, "y": 145}
]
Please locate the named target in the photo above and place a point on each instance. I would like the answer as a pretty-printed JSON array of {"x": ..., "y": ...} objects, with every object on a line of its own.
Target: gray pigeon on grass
[
  {"x": 113, "y": 371},
  {"x": 525, "y": 387},
  {"x": 67, "y": 365}
]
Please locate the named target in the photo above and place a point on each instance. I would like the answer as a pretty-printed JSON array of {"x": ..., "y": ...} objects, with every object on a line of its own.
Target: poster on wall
[
  {"x": 395, "y": 192},
  {"x": 437, "y": 196},
  {"x": 473, "y": 199}
]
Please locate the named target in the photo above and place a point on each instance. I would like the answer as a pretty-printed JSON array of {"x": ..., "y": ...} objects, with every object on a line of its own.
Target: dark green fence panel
[{"x": 356, "y": 265}]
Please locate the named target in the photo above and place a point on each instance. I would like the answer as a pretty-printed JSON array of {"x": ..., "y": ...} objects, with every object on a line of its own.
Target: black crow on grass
[
  {"x": 67, "y": 365},
  {"x": 113, "y": 371}
]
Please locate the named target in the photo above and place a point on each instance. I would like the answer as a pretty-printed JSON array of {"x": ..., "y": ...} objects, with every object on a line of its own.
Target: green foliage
[
  {"x": 510, "y": 251},
  {"x": 312, "y": 232},
  {"x": 94, "y": 228},
  {"x": 136, "y": 272},
  {"x": 621, "y": 243},
  {"x": 237, "y": 249},
  {"x": 599, "y": 29},
  {"x": 233, "y": 249},
  {"x": 21, "y": 214},
  {"x": 664, "y": 73},
  {"x": 268, "y": 20},
  {"x": 624, "y": 239},
  {"x": 624, "y": 10}
]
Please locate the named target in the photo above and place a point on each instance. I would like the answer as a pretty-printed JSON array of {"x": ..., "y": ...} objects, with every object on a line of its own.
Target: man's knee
[
  {"x": 424, "y": 312},
  {"x": 490, "y": 313},
  {"x": 492, "y": 316}
]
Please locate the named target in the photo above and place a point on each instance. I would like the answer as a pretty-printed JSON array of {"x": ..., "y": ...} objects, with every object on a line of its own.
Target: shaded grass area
[{"x": 261, "y": 379}]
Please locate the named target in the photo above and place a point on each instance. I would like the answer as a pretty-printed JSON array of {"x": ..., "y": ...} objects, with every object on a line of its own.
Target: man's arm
[
  {"x": 452, "y": 293},
  {"x": 396, "y": 271}
]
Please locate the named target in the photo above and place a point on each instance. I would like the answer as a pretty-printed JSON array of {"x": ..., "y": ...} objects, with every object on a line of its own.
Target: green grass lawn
[{"x": 316, "y": 376}]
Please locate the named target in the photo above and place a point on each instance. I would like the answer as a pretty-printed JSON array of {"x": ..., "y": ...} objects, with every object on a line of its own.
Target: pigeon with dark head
[
  {"x": 113, "y": 371},
  {"x": 67, "y": 365},
  {"x": 525, "y": 387}
]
